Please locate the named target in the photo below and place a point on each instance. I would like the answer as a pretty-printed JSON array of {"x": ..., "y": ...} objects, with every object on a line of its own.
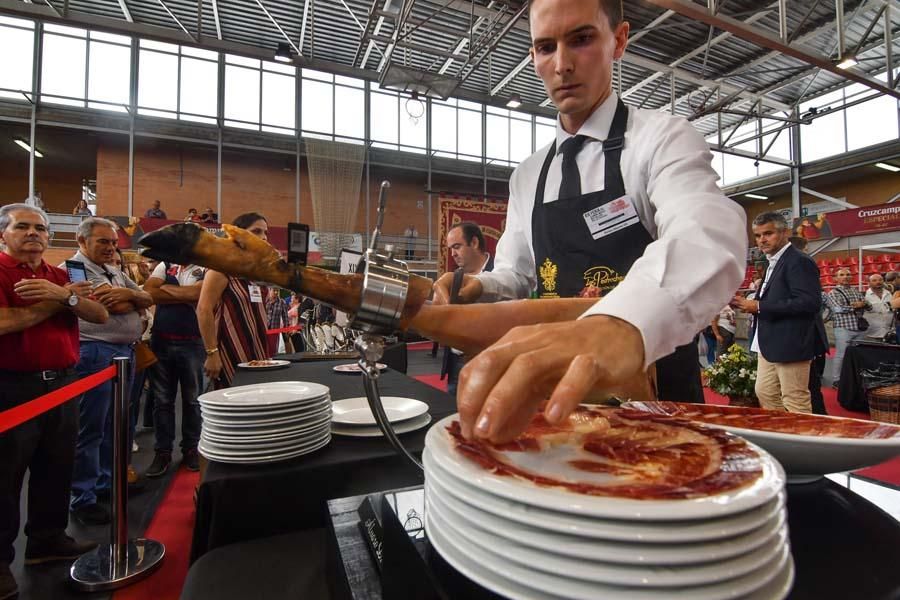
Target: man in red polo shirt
[{"x": 39, "y": 312}]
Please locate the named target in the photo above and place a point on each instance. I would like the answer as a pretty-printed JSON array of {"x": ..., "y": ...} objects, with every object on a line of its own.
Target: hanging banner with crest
[{"x": 490, "y": 216}]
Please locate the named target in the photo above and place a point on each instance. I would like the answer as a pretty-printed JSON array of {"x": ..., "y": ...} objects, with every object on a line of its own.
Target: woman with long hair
[
  {"x": 231, "y": 313},
  {"x": 81, "y": 209}
]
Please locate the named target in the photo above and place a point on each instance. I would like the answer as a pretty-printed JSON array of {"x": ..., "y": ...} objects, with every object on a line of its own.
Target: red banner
[
  {"x": 490, "y": 216},
  {"x": 854, "y": 221}
]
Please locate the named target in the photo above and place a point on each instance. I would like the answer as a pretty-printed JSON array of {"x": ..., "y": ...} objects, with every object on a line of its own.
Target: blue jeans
[
  {"x": 710, "y": 347},
  {"x": 842, "y": 339},
  {"x": 180, "y": 362},
  {"x": 93, "y": 451}
]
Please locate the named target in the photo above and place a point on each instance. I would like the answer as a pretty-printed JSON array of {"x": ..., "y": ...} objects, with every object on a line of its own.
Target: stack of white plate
[
  {"x": 352, "y": 417},
  {"x": 522, "y": 540},
  {"x": 264, "y": 423}
]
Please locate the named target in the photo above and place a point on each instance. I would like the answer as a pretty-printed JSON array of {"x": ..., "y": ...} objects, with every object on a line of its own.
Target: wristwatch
[{"x": 72, "y": 300}]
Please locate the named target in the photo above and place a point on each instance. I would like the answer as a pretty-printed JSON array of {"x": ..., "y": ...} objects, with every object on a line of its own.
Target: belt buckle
[{"x": 49, "y": 375}]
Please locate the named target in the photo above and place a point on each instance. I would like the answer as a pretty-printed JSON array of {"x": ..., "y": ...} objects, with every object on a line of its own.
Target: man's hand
[
  {"x": 501, "y": 388},
  {"x": 81, "y": 289},
  {"x": 470, "y": 290},
  {"x": 109, "y": 296},
  {"x": 41, "y": 289},
  {"x": 858, "y": 304},
  {"x": 749, "y": 306}
]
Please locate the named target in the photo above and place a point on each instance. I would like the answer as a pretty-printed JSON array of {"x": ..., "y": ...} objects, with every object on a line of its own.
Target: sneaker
[
  {"x": 190, "y": 458},
  {"x": 160, "y": 464},
  {"x": 8, "y": 587},
  {"x": 60, "y": 547},
  {"x": 91, "y": 514}
]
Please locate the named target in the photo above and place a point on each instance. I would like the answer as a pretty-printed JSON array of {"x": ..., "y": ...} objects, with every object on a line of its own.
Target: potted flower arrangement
[{"x": 734, "y": 375}]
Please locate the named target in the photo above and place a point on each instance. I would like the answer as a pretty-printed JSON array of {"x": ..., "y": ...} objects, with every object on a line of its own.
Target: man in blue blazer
[{"x": 785, "y": 334}]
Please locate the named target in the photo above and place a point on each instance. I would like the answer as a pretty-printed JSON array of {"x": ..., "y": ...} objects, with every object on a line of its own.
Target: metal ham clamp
[{"x": 383, "y": 296}]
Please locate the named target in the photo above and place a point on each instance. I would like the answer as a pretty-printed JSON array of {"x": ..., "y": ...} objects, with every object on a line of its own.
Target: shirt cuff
[{"x": 650, "y": 310}]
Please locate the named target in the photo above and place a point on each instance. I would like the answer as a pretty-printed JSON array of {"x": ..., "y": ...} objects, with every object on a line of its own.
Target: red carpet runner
[{"x": 172, "y": 525}]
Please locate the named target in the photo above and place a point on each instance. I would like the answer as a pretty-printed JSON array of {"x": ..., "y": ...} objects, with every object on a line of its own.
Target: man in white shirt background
[
  {"x": 623, "y": 200},
  {"x": 880, "y": 315}
]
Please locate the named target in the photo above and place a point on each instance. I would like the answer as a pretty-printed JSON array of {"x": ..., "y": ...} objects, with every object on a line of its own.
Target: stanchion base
[{"x": 96, "y": 571}]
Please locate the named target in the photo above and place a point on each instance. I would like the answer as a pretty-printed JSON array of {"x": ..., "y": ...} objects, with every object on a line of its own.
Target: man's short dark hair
[
  {"x": 771, "y": 217},
  {"x": 247, "y": 219},
  {"x": 471, "y": 230},
  {"x": 612, "y": 8}
]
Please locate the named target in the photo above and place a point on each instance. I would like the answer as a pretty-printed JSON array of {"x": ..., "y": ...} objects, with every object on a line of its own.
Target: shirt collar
[
  {"x": 8, "y": 261},
  {"x": 597, "y": 125},
  {"x": 774, "y": 258}
]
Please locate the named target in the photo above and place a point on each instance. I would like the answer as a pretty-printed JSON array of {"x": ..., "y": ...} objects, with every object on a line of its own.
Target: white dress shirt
[
  {"x": 880, "y": 317},
  {"x": 696, "y": 260},
  {"x": 773, "y": 260}
]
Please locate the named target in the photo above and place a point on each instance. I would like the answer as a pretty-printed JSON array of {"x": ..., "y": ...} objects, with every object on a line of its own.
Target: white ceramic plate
[
  {"x": 293, "y": 420},
  {"x": 814, "y": 454},
  {"x": 275, "y": 457},
  {"x": 257, "y": 448},
  {"x": 238, "y": 441},
  {"x": 544, "y": 557},
  {"x": 400, "y": 428},
  {"x": 779, "y": 586},
  {"x": 214, "y": 430},
  {"x": 660, "y": 532},
  {"x": 251, "y": 452},
  {"x": 266, "y": 411},
  {"x": 496, "y": 573},
  {"x": 272, "y": 363},
  {"x": 264, "y": 394},
  {"x": 356, "y": 411},
  {"x": 354, "y": 368},
  {"x": 629, "y": 544},
  {"x": 757, "y": 493}
]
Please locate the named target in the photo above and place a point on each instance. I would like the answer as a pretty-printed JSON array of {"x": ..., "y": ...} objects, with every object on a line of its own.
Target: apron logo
[
  {"x": 602, "y": 277},
  {"x": 548, "y": 272}
]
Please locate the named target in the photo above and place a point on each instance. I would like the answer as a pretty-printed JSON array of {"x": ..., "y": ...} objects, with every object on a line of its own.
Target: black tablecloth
[
  {"x": 395, "y": 356},
  {"x": 843, "y": 547},
  {"x": 244, "y": 502},
  {"x": 851, "y": 394}
]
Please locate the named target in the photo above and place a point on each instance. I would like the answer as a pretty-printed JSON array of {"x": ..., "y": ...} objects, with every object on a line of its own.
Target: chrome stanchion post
[{"x": 122, "y": 561}]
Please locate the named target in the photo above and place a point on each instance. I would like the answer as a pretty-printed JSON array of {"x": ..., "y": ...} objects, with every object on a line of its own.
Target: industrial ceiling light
[
  {"x": 514, "y": 101},
  {"x": 757, "y": 196},
  {"x": 283, "y": 53},
  {"x": 24, "y": 145},
  {"x": 887, "y": 167},
  {"x": 847, "y": 62}
]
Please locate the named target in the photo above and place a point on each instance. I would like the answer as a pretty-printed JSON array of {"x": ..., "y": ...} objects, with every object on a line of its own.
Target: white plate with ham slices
[
  {"x": 603, "y": 465},
  {"x": 804, "y": 444},
  {"x": 612, "y": 503}
]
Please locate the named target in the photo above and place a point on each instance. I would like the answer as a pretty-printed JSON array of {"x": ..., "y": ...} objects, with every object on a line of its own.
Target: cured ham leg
[{"x": 470, "y": 328}]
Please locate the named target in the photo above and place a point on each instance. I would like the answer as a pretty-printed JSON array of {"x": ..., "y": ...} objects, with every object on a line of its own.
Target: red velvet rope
[
  {"x": 284, "y": 329},
  {"x": 25, "y": 412}
]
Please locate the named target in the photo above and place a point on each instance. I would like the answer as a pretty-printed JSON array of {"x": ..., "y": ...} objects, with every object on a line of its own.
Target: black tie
[{"x": 570, "y": 186}]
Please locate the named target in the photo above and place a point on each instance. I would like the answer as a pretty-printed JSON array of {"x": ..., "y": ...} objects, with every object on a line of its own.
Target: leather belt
[{"x": 45, "y": 375}]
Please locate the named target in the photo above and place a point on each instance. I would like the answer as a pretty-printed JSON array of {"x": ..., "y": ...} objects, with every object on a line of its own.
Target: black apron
[{"x": 569, "y": 261}]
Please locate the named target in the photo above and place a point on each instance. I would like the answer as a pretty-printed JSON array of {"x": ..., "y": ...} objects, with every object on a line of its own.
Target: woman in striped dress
[{"x": 232, "y": 315}]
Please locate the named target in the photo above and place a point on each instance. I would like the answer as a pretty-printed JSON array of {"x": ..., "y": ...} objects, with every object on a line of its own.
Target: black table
[
  {"x": 244, "y": 502},
  {"x": 843, "y": 547},
  {"x": 851, "y": 394}
]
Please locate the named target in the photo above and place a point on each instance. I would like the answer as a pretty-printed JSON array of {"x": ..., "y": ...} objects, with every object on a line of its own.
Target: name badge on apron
[
  {"x": 611, "y": 217},
  {"x": 255, "y": 293}
]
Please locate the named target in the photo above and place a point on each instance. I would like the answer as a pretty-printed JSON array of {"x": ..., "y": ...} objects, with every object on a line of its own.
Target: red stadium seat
[
  {"x": 853, "y": 260},
  {"x": 890, "y": 267},
  {"x": 823, "y": 263},
  {"x": 854, "y": 269},
  {"x": 871, "y": 270},
  {"x": 840, "y": 262},
  {"x": 829, "y": 281},
  {"x": 886, "y": 258},
  {"x": 868, "y": 259}
]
